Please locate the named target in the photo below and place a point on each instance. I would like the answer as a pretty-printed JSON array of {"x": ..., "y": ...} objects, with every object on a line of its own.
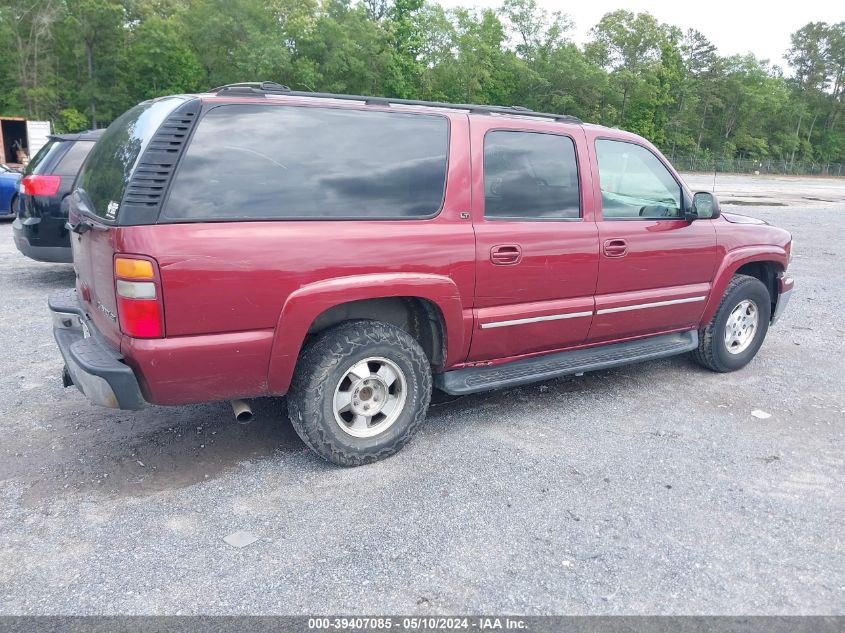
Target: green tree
[
  {"x": 630, "y": 46},
  {"x": 98, "y": 25},
  {"x": 27, "y": 27},
  {"x": 345, "y": 52},
  {"x": 160, "y": 61},
  {"x": 83, "y": 62},
  {"x": 407, "y": 39},
  {"x": 237, "y": 40}
]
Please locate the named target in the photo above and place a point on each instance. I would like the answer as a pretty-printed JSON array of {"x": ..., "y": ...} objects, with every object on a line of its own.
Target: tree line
[{"x": 80, "y": 63}]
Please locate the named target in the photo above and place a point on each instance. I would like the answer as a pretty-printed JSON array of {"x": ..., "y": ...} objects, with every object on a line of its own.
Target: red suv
[{"x": 354, "y": 252}]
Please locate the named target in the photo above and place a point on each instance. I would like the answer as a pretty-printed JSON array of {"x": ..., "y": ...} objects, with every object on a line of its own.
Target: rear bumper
[
  {"x": 40, "y": 251},
  {"x": 785, "y": 287},
  {"x": 93, "y": 365}
]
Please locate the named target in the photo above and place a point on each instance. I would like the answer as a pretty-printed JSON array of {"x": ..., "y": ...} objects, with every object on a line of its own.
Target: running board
[{"x": 521, "y": 372}]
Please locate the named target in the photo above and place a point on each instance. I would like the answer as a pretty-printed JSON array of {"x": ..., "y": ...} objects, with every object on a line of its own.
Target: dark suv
[
  {"x": 354, "y": 252},
  {"x": 39, "y": 229}
]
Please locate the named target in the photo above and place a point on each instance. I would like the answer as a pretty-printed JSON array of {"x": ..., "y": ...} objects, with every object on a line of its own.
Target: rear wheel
[
  {"x": 13, "y": 205},
  {"x": 359, "y": 392},
  {"x": 738, "y": 328}
]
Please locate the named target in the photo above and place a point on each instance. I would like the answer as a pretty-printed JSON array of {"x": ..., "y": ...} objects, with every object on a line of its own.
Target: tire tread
[
  {"x": 706, "y": 355},
  {"x": 310, "y": 380}
]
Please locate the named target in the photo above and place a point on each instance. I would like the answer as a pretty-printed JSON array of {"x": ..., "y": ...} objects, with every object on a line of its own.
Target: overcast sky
[{"x": 734, "y": 26}]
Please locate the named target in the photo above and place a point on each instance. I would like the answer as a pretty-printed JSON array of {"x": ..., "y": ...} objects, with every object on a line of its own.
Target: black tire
[
  {"x": 712, "y": 351},
  {"x": 322, "y": 366},
  {"x": 13, "y": 206}
]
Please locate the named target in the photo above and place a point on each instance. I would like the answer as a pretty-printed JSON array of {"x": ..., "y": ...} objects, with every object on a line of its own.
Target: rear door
[
  {"x": 42, "y": 164},
  {"x": 536, "y": 240},
  {"x": 66, "y": 169},
  {"x": 655, "y": 267}
]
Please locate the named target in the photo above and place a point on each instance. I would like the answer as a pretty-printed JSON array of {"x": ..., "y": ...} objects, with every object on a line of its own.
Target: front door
[
  {"x": 536, "y": 241},
  {"x": 655, "y": 267}
]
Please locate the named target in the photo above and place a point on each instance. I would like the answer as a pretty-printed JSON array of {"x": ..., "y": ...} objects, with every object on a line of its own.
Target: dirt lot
[
  {"x": 742, "y": 191},
  {"x": 646, "y": 489}
]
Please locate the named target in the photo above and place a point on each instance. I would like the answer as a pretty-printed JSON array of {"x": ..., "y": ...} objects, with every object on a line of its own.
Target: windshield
[{"x": 106, "y": 173}]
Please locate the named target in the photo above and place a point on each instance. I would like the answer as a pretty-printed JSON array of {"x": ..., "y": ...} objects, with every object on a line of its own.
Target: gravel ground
[{"x": 647, "y": 489}]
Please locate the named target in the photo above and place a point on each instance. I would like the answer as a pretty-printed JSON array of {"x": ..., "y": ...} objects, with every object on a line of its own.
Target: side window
[
  {"x": 530, "y": 176},
  {"x": 634, "y": 183},
  {"x": 73, "y": 158},
  {"x": 252, "y": 162}
]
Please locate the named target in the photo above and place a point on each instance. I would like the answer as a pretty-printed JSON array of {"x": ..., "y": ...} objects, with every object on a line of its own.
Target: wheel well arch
[
  {"x": 419, "y": 317},
  {"x": 767, "y": 272}
]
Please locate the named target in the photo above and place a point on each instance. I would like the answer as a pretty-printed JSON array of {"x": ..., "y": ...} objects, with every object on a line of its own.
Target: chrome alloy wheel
[
  {"x": 370, "y": 397},
  {"x": 741, "y": 326}
]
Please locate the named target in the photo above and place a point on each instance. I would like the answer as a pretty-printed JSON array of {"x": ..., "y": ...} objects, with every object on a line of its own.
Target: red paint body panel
[
  {"x": 685, "y": 313},
  {"x": 557, "y": 270},
  {"x": 240, "y": 297},
  {"x": 664, "y": 260},
  {"x": 93, "y": 257},
  {"x": 237, "y": 276},
  {"x": 306, "y": 304},
  {"x": 525, "y": 338},
  {"x": 193, "y": 369}
]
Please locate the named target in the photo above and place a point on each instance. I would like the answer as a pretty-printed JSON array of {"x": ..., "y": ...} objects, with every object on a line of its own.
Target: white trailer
[{"x": 21, "y": 139}]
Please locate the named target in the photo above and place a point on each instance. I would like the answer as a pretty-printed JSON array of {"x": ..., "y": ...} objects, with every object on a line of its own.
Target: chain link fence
[{"x": 747, "y": 166}]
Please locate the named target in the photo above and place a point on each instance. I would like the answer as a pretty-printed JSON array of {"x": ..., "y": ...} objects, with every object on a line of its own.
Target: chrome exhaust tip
[{"x": 242, "y": 411}]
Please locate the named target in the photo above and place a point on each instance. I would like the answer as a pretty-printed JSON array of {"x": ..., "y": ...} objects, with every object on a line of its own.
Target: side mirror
[{"x": 705, "y": 206}]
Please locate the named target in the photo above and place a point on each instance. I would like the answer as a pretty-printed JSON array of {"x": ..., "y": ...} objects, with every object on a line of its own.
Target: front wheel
[
  {"x": 738, "y": 328},
  {"x": 359, "y": 392}
]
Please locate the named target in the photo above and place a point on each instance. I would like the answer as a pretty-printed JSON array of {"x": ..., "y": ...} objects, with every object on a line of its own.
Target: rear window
[
  {"x": 72, "y": 160},
  {"x": 44, "y": 158},
  {"x": 250, "y": 162},
  {"x": 106, "y": 173}
]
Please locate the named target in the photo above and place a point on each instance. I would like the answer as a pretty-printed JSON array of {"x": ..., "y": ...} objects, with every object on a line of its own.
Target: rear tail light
[
  {"x": 138, "y": 291},
  {"x": 40, "y": 185},
  {"x": 130, "y": 268}
]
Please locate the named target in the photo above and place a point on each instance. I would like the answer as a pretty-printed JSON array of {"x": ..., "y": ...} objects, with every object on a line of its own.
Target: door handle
[
  {"x": 615, "y": 247},
  {"x": 506, "y": 254}
]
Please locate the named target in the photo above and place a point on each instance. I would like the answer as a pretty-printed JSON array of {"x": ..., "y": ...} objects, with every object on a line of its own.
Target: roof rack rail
[
  {"x": 263, "y": 88},
  {"x": 252, "y": 87}
]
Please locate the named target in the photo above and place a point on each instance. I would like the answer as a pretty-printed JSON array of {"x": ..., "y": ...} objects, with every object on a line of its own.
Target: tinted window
[
  {"x": 43, "y": 160},
  {"x": 256, "y": 162},
  {"x": 634, "y": 183},
  {"x": 528, "y": 175},
  {"x": 72, "y": 160},
  {"x": 105, "y": 174}
]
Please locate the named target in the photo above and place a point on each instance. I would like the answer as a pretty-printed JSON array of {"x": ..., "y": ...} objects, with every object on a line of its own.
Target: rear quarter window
[
  {"x": 74, "y": 157},
  {"x": 106, "y": 173},
  {"x": 248, "y": 162}
]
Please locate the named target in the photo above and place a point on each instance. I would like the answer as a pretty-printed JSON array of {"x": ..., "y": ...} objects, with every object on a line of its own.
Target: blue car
[{"x": 9, "y": 179}]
